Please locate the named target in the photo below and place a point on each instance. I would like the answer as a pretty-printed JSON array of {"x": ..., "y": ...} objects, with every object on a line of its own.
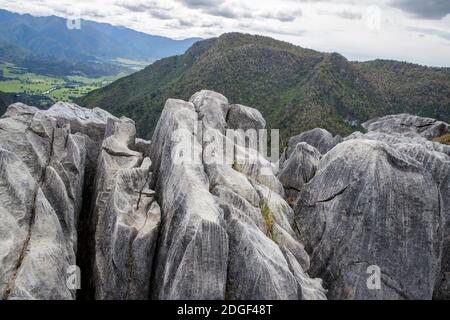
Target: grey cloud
[
  {"x": 428, "y": 9},
  {"x": 216, "y": 8},
  {"x": 185, "y": 23},
  {"x": 211, "y": 25},
  {"x": 161, "y": 14},
  {"x": 435, "y": 32},
  {"x": 153, "y": 8},
  {"x": 223, "y": 11},
  {"x": 191, "y": 23},
  {"x": 84, "y": 13},
  {"x": 135, "y": 7},
  {"x": 268, "y": 29},
  {"x": 95, "y": 15},
  {"x": 200, "y": 3},
  {"x": 141, "y": 6},
  {"x": 220, "y": 8},
  {"x": 283, "y": 16},
  {"x": 349, "y": 15},
  {"x": 344, "y": 14}
]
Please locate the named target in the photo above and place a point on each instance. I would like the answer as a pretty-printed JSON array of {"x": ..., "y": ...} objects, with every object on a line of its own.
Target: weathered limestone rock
[
  {"x": 76, "y": 184},
  {"x": 242, "y": 117},
  {"x": 48, "y": 162},
  {"x": 272, "y": 218},
  {"x": 395, "y": 138},
  {"x": 409, "y": 135},
  {"x": 405, "y": 123},
  {"x": 126, "y": 216},
  {"x": 320, "y": 139},
  {"x": 438, "y": 165},
  {"x": 298, "y": 170},
  {"x": 143, "y": 146},
  {"x": 442, "y": 290},
  {"x": 193, "y": 253},
  {"x": 42, "y": 168},
  {"x": 226, "y": 231},
  {"x": 370, "y": 205}
]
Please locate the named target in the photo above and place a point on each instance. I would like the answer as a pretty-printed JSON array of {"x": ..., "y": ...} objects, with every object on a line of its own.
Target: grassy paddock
[{"x": 18, "y": 80}]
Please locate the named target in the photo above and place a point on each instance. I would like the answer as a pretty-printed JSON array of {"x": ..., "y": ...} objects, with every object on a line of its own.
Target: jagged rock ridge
[
  {"x": 177, "y": 218},
  {"x": 76, "y": 183},
  {"x": 216, "y": 242},
  {"x": 377, "y": 199},
  {"x": 47, "y": 160}
]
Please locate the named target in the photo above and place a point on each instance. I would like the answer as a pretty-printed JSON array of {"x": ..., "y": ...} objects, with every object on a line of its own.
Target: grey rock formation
[
  {"x": 320, "y": 139},
  {"x": 143, "y": 146},
  {"x": 42, "y": 172},
  {"x": 192, "y": 257},
  {"x": 298, "y": 170},
  {"x": 438, "y": 165},
  {"x": 394, "y": 138},
  {"x": 242, "y": 117},
  {"x": 409, "y": 135},
  {"x": 48, "y": 161},
  {"x": 405, "y": 123},
  {"x": 442, "y": 290},
  {"x": 126, "y": 216},
  {"x": 76, "y": 188},
  {"x": 229, "y": 234},
  {"x": 371, "y": 205}
]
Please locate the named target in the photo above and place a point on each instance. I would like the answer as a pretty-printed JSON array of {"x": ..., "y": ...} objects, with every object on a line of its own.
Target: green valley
[{"x": 17, "y": 80}]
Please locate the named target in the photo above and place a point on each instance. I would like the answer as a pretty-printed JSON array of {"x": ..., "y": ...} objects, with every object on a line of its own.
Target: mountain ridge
[
  {"x": 296, "y": 89},
  {"x": 49, "y": 35}
]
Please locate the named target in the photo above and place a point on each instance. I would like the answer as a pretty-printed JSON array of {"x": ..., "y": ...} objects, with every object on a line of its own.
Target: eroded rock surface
[
  {"x": 320, "y": 139},
  {"x": 370, "y": 205},
  {"x": 199, "y": 213},
  {"x": 298, "y": 169},
  {"x": 226, "y": 231},
  {"x": 48, "y": 162},
  {"x": 410, "y": 135},
  {"x": 380, "y": 199},
  {"x": 405, "y": 123},
  {"x": 242, "y": 117},
  {"x": 42, "y": 173},
  {"x": 126, "y": 216}
]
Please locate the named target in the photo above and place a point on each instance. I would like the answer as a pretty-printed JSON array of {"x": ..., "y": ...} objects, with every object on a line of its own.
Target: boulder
[
  {"x": 409, "y": 135},
  {"x": 320, "y": 139},
  {"x": 245, "y": 118},
  {"x": 438, "y": 165},
  {"x": 370, "y": 207},
  {"x": 298, "y": 170},
  {"x": 432, "y": 157},
  {"x": 405, "y": 123}
]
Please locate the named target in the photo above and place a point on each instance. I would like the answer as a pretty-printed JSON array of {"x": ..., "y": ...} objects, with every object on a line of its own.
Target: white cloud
[{"x": 400, "y": 32}]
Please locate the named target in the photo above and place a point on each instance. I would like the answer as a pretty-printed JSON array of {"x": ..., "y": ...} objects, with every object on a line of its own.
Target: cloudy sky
[{"x": 410, "y": 30}]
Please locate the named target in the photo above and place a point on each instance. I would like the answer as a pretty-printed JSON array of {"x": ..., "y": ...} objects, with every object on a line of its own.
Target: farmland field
[{"x": 17, "y": 80}]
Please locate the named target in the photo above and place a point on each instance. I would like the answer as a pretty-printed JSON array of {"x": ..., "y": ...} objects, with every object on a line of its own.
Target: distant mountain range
[
  {"x": 88, "y": 50},
  {"x": 50, "y": 65},
  {"x": 295, "y": 88}
]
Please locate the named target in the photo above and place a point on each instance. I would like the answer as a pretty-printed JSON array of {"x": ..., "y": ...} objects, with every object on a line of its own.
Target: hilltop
[{"x": 296, "y": 89}]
